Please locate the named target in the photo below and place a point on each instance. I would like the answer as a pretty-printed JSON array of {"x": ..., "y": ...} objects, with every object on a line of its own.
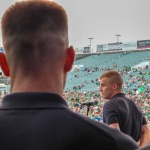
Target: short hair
[
  {"x": 25, "y": 21},
  {"x": 113, "y": 76},
  {"x": 30, "y": 16}
]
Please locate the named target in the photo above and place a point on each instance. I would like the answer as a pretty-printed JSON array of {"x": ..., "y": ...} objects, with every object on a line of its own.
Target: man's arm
[
  {"x": 145, "y": 135},
  {"x": 115, "y": 125},
  {"x": 145, "y": 148}
]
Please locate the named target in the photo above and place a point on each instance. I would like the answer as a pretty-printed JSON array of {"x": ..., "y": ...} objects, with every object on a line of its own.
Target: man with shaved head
[
  {"x": 34, "y": 116},
  {"x": 121, "y": 112}
]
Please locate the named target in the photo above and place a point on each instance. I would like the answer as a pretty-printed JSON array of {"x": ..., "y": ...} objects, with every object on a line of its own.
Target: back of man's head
[
  {"x": 31, "y": 17},
  {"x": 34, "y": 30},
  {"x": 35, "y": 39}
]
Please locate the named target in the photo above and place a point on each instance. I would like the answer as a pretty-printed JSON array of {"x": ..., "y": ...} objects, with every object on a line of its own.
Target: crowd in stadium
[
  {"x": 137, "y": 87},
  {"x": 42, "y": 107}
]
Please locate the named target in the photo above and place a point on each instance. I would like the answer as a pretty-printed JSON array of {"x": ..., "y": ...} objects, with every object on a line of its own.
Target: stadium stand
[{"x": 87, "y": 70}]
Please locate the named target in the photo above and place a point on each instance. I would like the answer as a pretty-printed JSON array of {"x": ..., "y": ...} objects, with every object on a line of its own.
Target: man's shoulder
[
  {"x": 101, "y": 131},
  {"x": 118, "y": 95},
  {"x": 109, "y": 103}
]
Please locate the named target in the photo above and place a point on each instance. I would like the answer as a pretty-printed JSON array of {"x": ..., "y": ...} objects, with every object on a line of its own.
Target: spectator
[
  {"x": 121, "y": 112},
  {"x": 34, "y": 116}
]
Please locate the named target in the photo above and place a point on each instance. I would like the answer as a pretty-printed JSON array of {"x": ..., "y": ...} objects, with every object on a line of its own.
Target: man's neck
[
  {"x": 116, "y": 92},
  {"x": 50, "y": 86}
]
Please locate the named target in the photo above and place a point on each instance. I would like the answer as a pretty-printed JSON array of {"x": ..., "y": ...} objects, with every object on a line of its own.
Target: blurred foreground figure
[
  {"x": 145, "y": 148},
  {"x": 34, "y": 116},
  {"x": 121, "y": 112}
]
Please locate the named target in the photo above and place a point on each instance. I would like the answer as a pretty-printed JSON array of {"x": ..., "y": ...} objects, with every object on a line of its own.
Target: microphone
[{"x": 90, "y": 103}]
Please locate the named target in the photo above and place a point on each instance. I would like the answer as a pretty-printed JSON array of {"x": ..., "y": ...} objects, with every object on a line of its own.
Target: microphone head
[
  {"x": 90, "y": 103},
  {"x": 95, "y": 102}
]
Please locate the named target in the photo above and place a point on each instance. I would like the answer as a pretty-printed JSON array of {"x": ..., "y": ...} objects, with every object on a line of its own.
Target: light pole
[
  {"x": 117, "y": 35},
  {"x": 90, "y": 43}
]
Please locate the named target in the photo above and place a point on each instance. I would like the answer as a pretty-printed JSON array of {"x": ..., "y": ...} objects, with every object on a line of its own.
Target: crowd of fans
[{"x": 136, "y": 86}]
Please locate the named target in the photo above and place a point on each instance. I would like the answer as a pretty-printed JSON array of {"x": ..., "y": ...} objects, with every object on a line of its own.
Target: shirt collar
[
  {"x": 118, "y": 94},
  {"x": 29, "y": 100}
]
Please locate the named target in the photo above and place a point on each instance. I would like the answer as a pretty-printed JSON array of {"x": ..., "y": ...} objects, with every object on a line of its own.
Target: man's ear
[
  {"x": 70, "y": 57},
  {"x": 4, "y": 65},
  {"x": 115, "y": 86}
]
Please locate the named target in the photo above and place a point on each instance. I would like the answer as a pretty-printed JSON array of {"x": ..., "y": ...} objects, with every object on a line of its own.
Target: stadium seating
[{"x": 84, "y": 78}]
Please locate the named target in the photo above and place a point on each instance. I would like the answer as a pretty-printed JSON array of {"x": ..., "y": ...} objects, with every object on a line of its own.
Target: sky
[{"x": 102, "y": 20}]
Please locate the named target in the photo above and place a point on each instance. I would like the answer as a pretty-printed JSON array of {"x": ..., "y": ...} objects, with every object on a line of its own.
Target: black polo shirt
[
  {"x": 43, "y": 121},
  {"x": 122, "y": 110}
]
